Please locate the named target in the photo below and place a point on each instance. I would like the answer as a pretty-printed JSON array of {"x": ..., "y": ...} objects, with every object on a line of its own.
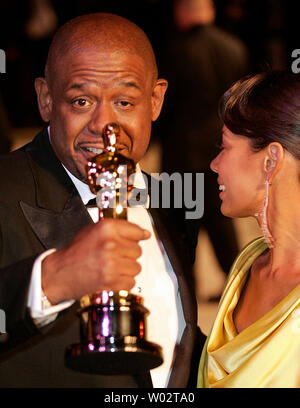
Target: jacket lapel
[
  {"x": 57, "y": 229},
  {"x": 58, "y": 212}
]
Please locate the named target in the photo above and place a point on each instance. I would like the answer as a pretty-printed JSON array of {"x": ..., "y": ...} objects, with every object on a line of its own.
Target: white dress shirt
[{"x": 156, "y": 283}]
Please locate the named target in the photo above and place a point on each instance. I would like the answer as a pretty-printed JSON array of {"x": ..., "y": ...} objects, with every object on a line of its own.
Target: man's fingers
[
  {"x": 124, "y": 229},
  {"x": 132, "y": 251},
  {"x": 121, "y": 276}
]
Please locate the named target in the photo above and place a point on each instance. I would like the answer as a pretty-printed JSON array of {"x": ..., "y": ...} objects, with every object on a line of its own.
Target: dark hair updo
[{"x": 265, "y": 108}]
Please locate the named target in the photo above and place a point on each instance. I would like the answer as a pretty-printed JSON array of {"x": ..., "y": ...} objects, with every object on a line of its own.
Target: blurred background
[{"x": 202, "y": 47}]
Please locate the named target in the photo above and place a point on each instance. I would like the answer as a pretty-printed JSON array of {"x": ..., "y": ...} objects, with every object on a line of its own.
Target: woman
[{"x": 255, "y": 340}]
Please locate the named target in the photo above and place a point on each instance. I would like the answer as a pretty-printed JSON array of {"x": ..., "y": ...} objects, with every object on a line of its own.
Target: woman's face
[{"x": 240, "y": 176}]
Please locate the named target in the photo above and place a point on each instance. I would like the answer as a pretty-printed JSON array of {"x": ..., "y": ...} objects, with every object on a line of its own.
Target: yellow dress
[{"x": 265, "y": 354}]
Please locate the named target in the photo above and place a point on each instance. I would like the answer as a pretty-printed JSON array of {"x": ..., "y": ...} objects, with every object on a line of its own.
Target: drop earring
[{"x": 264, "y": 218}]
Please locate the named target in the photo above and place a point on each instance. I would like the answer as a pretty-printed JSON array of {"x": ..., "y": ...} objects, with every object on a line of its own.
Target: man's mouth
[
  {"x": 222, "y": 187},
  {"x": 93, "y": 150},
  {"x": 90, "y": 150}
]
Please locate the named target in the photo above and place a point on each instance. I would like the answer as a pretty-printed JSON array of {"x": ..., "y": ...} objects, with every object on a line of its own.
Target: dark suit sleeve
[{"x": 14, "y": 285}]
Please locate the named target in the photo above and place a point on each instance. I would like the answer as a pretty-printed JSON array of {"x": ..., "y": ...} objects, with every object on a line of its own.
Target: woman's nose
[{"x": 214, "y": 164}]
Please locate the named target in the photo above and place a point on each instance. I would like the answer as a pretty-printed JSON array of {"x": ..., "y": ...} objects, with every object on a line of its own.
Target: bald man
[{"x": 100, "y": 69}]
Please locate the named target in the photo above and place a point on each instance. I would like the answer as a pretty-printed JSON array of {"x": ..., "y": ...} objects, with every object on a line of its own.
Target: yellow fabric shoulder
[{"x": 265, "y": 354}]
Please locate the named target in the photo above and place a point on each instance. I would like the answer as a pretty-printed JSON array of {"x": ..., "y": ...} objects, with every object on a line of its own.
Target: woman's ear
[
  {"x": 273, "y": 160},
  {"x": 44, "y": 98}
]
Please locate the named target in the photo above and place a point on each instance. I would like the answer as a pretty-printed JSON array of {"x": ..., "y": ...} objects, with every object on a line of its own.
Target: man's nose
[{"x": 102, "y": 115}]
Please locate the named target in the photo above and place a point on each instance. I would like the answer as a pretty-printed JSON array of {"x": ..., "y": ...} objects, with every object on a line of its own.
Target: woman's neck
[{"x": 284, "y": 225}]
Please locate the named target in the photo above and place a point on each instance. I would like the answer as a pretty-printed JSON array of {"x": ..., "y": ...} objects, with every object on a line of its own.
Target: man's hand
[{"x": 102, "y": 256}]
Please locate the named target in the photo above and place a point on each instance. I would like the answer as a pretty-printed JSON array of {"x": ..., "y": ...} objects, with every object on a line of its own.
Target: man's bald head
[{"x": 101, "y": 32}]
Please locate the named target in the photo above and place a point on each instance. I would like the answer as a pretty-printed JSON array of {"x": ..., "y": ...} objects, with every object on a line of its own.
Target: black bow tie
[
  {"x": 92, "y": 203},
  {"x": 138, "y": 198}
]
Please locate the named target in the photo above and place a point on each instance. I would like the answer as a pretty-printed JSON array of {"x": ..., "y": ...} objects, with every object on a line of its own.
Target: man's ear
[
  {"x": 157, "y": 97},
  {"x": 44, "y": 98},
  {"x": 273, "y": 160}
]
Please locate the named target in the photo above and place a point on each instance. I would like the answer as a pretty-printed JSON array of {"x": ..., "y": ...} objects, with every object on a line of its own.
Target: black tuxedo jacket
[{"x": 40, "y": 209}]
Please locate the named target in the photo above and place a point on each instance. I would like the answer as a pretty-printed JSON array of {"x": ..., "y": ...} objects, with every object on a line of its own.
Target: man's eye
[
  {"x": 80, "y": 102},
  {"x": 124, "y": 104}
]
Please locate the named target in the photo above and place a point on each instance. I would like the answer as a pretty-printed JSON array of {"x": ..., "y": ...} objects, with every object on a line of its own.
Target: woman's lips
[{"x": 222, "y": 189}]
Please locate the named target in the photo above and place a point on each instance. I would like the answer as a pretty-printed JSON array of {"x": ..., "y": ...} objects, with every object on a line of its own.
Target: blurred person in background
[{"x": 200, "y": 62}]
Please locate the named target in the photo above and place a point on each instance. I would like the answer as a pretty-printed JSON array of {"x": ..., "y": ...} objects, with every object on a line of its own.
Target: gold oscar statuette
[{"x": 112, "y": 324}]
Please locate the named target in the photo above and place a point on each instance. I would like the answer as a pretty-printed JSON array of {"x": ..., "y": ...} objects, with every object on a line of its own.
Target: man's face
[{"x": 90, "y": 90}]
